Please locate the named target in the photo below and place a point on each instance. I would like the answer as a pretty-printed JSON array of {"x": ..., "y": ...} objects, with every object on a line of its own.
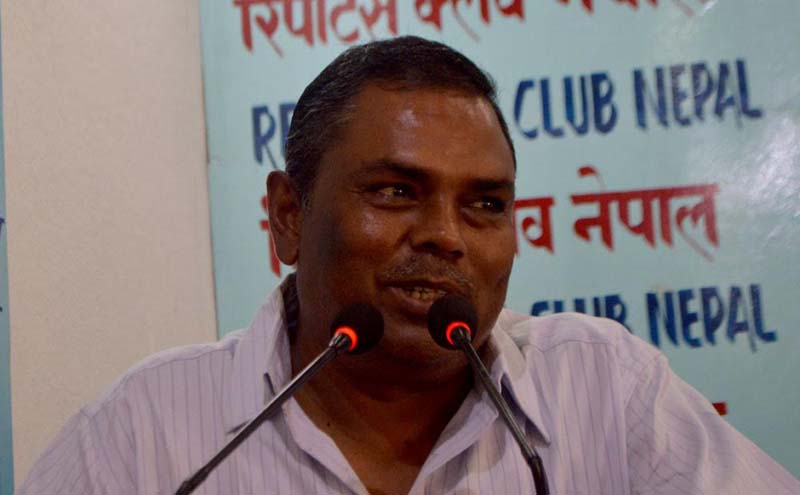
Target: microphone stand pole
[{"x": 532, "y": 458}]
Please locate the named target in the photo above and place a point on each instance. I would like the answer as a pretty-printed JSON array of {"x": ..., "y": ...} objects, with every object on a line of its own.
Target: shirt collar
[
  {"x": 261, "y": 364},
  {"x": 511, "y": 372}
]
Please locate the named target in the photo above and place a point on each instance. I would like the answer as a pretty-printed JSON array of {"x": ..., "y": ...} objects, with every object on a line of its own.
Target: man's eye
[
  {"x": 394, "y": 191},
  {"x": 491, "y": 205}
]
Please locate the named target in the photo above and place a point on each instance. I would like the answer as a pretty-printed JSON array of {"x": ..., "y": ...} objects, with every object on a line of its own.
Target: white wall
[{"x": 108, "y": 233}]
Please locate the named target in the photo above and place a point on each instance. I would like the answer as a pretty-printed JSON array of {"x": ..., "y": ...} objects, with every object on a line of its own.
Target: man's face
[{"x": 414, "y": 200}]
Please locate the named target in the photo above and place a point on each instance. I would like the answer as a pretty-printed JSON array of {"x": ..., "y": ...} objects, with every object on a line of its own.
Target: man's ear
[{"x": 285, "y": 212}]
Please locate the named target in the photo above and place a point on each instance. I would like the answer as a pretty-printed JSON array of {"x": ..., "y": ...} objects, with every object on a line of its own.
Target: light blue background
[{"x": 756, "y": 164}]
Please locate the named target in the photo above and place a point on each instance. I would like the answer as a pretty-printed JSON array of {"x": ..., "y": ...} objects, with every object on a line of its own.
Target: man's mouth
[
  {"x": 424, "y": 294},
  {"x": 414, "y": 298}
]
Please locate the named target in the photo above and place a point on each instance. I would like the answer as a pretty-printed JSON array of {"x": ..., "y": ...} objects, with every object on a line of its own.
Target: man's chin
[{"x": 411, "y": 343}]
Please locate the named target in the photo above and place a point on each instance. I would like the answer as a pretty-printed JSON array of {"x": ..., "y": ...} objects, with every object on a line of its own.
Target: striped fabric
[{"x": 601, "y": 406}]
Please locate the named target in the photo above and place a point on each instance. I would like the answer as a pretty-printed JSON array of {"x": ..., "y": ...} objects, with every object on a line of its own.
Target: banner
[
  {"x": 658, "y": 146},
  {"x": 6, "y": 452}
]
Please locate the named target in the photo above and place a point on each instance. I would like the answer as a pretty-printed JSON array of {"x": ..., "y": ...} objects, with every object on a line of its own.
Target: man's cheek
[
  {"x": 368, "y": 221},
  {"x": 375, "y": 235},
  {"x": 330, "y": 237}
]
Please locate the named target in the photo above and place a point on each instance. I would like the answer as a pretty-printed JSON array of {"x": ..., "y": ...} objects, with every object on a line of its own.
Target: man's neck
[
  {"x": 403, "y": 420},
  {"x": 386, "y": 432}
]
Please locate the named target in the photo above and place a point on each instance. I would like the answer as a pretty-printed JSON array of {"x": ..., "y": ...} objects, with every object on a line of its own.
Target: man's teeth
[{"x": 424, "y": 293}]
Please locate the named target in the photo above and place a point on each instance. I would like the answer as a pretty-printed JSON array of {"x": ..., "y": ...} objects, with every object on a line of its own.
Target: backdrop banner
[
  {"x": 6, "y": 452},
  {"x": 658, "y": 146}
]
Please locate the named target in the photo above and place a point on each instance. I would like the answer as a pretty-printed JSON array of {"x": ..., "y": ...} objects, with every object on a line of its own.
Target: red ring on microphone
[
  {"x": 351, "y": 334},
  {"x": 452, "y": 327}
]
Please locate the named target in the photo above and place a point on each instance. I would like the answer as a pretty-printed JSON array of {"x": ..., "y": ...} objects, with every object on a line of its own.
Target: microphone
[
  {"x": 451, "y": 322},
  {"x": 357, "y": 329}
]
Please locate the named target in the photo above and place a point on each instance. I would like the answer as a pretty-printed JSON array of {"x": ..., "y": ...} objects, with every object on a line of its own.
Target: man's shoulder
[
  {"x": 577, "y": 332},
  {"x": 163, "y": 366}
]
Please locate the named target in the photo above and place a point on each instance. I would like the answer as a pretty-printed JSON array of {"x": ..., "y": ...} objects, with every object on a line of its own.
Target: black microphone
[
  {"x": 451, "y": 321},
  {"x": 357, "y": 329}
]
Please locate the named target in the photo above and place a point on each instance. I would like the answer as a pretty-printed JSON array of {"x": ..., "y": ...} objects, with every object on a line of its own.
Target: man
[{"x": 399, "y": 189}]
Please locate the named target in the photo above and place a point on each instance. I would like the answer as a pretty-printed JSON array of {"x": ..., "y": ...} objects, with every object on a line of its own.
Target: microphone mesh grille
[
  {"x": 445, "y": 311},
  {"x": 367, "y": 323}
]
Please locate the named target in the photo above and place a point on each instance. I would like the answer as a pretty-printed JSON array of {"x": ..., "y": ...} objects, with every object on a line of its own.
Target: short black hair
[{"x": 408, "y": 61}]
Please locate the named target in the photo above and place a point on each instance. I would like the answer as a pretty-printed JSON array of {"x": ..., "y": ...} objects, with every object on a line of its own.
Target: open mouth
[
  {"x": 412, "y": 298},
  {"x": 424, "y": 294}
]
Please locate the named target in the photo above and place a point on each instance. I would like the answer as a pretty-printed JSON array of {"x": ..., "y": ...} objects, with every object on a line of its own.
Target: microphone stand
[
  {"x": 338, "y": 344},
  {"x": 531, "y": 457}
]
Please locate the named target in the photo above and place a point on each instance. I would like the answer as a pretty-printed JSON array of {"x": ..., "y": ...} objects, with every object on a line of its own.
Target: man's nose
[{"x": 438, "y": 230}]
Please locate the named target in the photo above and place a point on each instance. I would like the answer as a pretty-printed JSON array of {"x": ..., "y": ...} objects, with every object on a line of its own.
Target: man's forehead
[
  {"x": 408, "y": 103},
  {"x": 445, "y": 113}
]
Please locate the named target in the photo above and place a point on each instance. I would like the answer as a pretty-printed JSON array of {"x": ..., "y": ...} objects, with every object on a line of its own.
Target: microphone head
[
  {"x": 361, "y": 321},
  {"x": 444, "y": 313}
]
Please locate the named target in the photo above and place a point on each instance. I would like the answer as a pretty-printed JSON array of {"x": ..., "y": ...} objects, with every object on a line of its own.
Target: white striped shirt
[{"x": 601, "y": 407}]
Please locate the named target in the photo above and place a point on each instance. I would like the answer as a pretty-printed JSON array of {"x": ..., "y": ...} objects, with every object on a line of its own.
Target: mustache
[{"x": 418, "y": 267}]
